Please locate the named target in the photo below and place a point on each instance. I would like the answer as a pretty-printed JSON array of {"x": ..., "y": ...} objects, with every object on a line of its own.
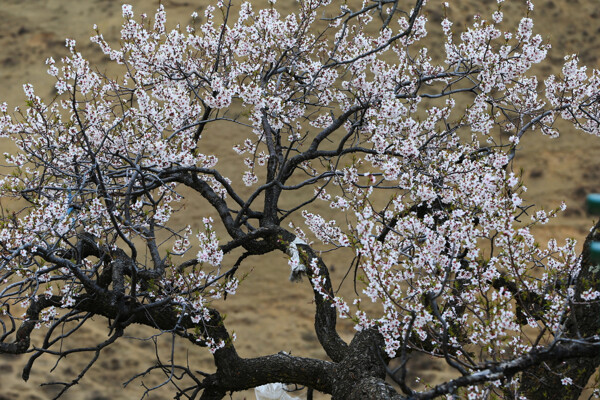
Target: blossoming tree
[{"x": 411, "y": 155}]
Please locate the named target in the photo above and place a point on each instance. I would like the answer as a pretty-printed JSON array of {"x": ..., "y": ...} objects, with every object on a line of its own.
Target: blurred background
[{"x": 269, "y": 313}]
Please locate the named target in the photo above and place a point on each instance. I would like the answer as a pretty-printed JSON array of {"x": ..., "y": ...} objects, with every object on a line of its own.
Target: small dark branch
[
  {"x": 562, "y": 351},
  {"x": 159, "y": 264},
  {"x": 202, "y": 125},
  {"x": 221, "y": 37},
  {"x": 167, "y": 368},
  {"x": 128, "y": 193},
  {"x": 220, "y": 205},
  {"x": 432, "y": 300},
  {"x": 48, "y": 341},
  {"x": 334, "y": 126},
  {"x": 87, "y": 282},
  {"x": 390, "y": 15},
  {"x": 401, "y": 378},
  {"x": 531, "y": 123},
  {"x": 170, "y": 173},
  {"x": 186, "y": 264},
  {"x": 231, "y": 273},
  {"x": 311, "y": 153},
  {"x": 23, "y": 335},
  {"x": 67, "y": 385},
  {"x": 406, "y": 32},
  {"x": 528, "y": 303},
  {"x": 13, "y": 328},
  {"x": 387, "y": 229},
  {"x": 110, "y": 206}
]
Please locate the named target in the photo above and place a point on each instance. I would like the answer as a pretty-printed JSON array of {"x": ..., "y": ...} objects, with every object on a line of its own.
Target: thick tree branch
[{"x": 325, "y": 314}]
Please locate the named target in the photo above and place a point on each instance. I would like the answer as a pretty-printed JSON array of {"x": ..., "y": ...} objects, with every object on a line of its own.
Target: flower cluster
[{"x": 407, "y": 153}]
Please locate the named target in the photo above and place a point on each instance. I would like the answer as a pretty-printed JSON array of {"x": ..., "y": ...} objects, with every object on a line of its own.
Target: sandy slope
[{"x": 269, "y": 314}]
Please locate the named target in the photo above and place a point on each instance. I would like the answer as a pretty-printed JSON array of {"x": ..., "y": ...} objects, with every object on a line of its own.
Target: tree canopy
[{"x": 347, "y": 108}]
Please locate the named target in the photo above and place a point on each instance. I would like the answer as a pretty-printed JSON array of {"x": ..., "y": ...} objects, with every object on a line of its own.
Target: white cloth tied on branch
[
  {"x": 297, "y": 268},
  {"x": 274, "y": 391}
]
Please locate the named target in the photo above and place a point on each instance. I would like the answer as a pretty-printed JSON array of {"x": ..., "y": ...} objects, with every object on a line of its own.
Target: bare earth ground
[{"x": 270, "y": 314}]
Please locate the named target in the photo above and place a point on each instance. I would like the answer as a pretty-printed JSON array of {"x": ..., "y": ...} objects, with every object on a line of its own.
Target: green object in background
[
  {"x": 593, "y": 207},
  {"x": 595, "y": 251},
  {"x": 593, "y": 203}
]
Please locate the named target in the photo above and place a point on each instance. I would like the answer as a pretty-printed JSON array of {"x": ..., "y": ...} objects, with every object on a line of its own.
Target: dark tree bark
[
  {"x": 544, "y": 381},
  {"x": 98, "y": 278}
]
